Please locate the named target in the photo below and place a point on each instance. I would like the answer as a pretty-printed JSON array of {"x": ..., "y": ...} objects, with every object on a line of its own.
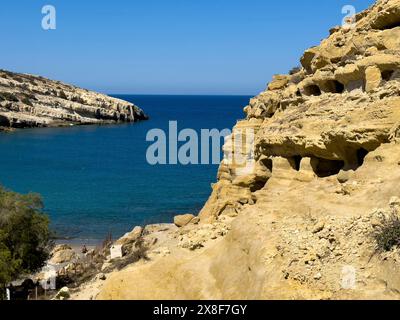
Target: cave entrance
[
  {"x": 258, "y": 184},
  {"x": 267, "y": 163},
  {"x": 296, "y": 162},
  {"x": 312, "y": 90},
  {"x": 332, "y": 86},
  {"x": 325, "y": 168},
  {"x": 387, "y": 75},
  {"x": 261, "y": 181},
  {"x": 391, "y": 22},
  {"x": 361, "y": 154}
]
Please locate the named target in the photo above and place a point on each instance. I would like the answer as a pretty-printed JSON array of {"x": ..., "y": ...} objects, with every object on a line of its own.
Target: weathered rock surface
[
  {"x": 32, "y": 101},
  {"x": 62, "y": 254},
  {"x": 294, "y": 221},
  {"x": 183, "y": 220},
  {"x": 324, "y": 118}
]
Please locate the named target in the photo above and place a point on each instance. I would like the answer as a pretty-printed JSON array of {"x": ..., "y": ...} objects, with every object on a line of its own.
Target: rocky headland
[
  {"x": 303, "y": 222},
  {"x": 28, "y": 101}
]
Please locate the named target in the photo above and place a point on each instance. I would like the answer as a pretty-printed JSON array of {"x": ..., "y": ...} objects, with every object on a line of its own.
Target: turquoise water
[{"x": 95, "y": 179}]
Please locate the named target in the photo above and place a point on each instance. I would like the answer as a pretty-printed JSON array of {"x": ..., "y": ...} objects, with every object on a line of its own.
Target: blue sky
[{"x": 165, "y": 46}]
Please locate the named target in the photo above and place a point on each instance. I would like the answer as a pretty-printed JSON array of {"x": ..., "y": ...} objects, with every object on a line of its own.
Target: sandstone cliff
[
  {"x": 298, "y": 223},
  {"x": 32, "y": 101}
]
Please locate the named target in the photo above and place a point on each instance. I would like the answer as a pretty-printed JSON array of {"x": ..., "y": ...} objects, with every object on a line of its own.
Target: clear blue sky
[{"x": 165, "y": 46}]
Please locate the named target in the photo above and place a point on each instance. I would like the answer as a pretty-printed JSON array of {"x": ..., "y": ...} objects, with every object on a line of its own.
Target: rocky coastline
[
  {"x": 302, "y": 223},
  {"x": 28, "y": 101}
]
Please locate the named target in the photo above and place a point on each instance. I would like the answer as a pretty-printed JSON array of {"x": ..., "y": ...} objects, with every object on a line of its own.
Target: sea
[{"x": 95, "y": 181}]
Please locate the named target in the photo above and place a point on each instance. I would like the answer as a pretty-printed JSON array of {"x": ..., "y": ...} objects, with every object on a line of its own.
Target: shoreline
[{"x": 77, "y": 244}]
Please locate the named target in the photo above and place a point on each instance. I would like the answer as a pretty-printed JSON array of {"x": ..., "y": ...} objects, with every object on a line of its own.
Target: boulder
[
  {"x": 183, "y": 220},
  {"x": 348, "y": 74},
  {"x": 63, "y": 294},
  {"x": 307, "y": 58},
  {"x": 344, "y": 175},
  {"x": 130, "y": 237},
  {"x": 63, "y": 254},
  {"x": 278, "y": 82}
]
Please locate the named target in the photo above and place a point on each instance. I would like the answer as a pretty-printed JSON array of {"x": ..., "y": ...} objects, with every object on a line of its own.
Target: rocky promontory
[{"x": 28, "y": 101}]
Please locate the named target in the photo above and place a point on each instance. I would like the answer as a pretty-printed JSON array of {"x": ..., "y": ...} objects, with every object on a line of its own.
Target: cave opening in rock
[
  {"x": 387, "y": 75},
  {"x": 267, "y": 163},
  {"x": 312, "y": 90},
  {"x": 361, "y": 154},
  {"x": 333, "y": 86},
  {"x": 258, "y": 184},
  {"x": 260, "y": 181},
  {"x": 296, "y": 162},
  {"x": 390, "y": 22},
  {"x": 325, "y": 168}
]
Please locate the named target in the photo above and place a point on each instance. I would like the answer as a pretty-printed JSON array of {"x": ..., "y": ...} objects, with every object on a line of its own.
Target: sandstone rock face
[
  {"x": 343, "y": 104},
  {"x": 32, "y": 101},
  {"x": 295, "y": 220}
]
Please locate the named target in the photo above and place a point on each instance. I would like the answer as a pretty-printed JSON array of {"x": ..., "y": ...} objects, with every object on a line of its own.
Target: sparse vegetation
[
  {"x": 24, "y": 235},
  {"x": 387, "y": 233},
  {"x": 138, "y": 253},
  {"x": 62, "y": 95},
  {"x": 295, "y": 70},
  {"x": 27, "y": 102},
  {"x": 18, "y": 79},
  {"x": 8, "y": 96},
  {"x": 78, "y": 100}
]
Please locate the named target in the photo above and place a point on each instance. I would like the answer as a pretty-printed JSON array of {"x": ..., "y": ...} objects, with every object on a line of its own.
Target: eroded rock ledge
[
  {"x": 28, "y": 101},
  {"x": 325, "y": 116}
]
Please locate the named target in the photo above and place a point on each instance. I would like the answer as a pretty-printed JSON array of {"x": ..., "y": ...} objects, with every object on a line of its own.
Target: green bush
[
  {"x": 295, "y": 70},
  {"x": 24, "y": 235},
  {"x": 9, "y": 96},
  {"x": 387, "y": 234}
]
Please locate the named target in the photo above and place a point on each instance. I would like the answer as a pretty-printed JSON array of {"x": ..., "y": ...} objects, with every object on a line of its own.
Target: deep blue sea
[{"x": 95, "y": 180}]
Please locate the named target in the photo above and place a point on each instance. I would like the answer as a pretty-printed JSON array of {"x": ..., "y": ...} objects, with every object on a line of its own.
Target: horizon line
[{"x": 181, "y": 94}]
